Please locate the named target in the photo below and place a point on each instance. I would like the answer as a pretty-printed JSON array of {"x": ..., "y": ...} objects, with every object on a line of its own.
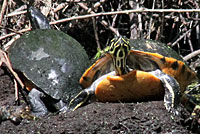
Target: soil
[{"x": 145, "y": 117}]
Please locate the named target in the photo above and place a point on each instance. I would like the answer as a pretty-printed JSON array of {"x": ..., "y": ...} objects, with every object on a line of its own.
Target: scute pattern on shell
[
  {"x": 154, "y": 47},
  {"x": 52, "y": 60}
]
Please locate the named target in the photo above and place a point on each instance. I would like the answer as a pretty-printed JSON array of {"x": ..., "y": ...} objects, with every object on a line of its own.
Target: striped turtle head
[{"x": 119, "y": 51}]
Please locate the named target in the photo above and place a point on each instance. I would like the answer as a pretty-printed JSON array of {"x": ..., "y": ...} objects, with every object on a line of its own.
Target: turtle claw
[
  {"x": 15, "y": 114},
  {"x": 64, "y": 109},
  {"x": 79, "y": 100},
  {"x": 195, "y": 116},
  {"x": 193, "y": 121},
  {"x": 196, "y": 113}
]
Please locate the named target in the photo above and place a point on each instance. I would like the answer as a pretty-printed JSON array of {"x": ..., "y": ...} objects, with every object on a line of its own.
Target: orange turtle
[{"x": 128, "y": 75}]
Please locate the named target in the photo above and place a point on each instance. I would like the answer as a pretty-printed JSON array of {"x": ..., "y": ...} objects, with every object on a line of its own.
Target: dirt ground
[{"x": 145, "y": 117}]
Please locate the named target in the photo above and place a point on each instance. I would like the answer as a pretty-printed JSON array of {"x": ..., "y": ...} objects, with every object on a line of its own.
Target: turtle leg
[
  {"x": 38, "y": 107},
  {"x": 15, "y": 113},
  {"x": 191, "y": 103},
  {"x": 6, "y": 114},
  {"x": 87, "y": 93},
  {"x": 172, "y": 91},
  {"x": 81, "y": 98}
]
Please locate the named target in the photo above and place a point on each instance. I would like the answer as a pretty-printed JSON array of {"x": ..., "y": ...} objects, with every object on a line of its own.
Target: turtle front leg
[
  {"x": 5, "y": 114},
  {"x": 38, "y": 107},
  {"x": 81, "y": 98},
  {"x": 87, "y": 93},
  {"x": 192, "y": 105},
  {"x": 196, "y": 114},
  {"x": 172, "y": 91},
  {"x": 15, "y": 114}
]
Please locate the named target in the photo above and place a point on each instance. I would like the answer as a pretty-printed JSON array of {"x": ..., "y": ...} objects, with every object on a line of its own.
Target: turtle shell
[
  {"x": 50, "y": 59},
  {"x": 157, "y": 55},
  {"x": 154, "y": 47}
]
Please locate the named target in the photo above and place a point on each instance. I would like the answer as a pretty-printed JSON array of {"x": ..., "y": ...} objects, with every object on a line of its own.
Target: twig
[
  {"x": 191, "y": 55},
  {"x": 5, "y": 2},
  {"x": 162, "y": 22},
  {"x": 115, "y": 17},
  {"x": 60, "y": 6},
  {"x": 12, "y": 34},
  {"x": 139, "y": 20},
  {"x": 114, "y": 20},
  {"x": 111, "y": 13},
  {"x": 150, "y": 23},
  {"x": 117, "y": 12},
  {"x": 173, "y": 44},
  {"x": 16, "y": 13},
  {"x": 189, "y": 38},
  {"x": 125, "y": 12},
  {"x": 21, "y": 8},
  {"x": 95, "y": 33},
  {"x": 133, "y": 21},
  {"x": 7, "y": 45},
  {"x": 158, "y": 33},
  {"x": 197, "y": 27},
  {"x": 10, "y": 29},
  {"x": 103, "y": 22},
  {"x": 96, "y": 5}
]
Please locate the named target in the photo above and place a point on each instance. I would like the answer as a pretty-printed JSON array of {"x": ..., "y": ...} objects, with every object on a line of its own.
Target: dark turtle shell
[
  {"x": 154, "y": 47},
  {"x": 52, "y": 60}
]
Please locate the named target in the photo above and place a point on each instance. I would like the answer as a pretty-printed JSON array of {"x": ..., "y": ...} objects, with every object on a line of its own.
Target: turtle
[
  {"x": 49, "y": 63},
  {"x": 127, "y": 74},
  {"x": 46, "y": 63}
]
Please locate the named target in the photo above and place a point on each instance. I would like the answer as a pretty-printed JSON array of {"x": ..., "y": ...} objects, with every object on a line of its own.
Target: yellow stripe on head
[{"x": 119, "y": 50}]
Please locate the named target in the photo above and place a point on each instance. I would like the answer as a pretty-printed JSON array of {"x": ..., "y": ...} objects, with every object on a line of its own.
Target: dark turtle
[
  {"x": 49, "y": 62},
  {"x": 133, "y": 75}
]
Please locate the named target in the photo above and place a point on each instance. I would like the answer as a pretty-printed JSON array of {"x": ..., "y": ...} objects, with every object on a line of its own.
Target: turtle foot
[
  {"x": 65, "y": 109},
  {"x": 194, "y": 119},
  {"x": 38, "y": 107},
  {"x": 15, "y": 114},
  {"x": 171, "y": 108},
  {"x": 79, "y": 100}
]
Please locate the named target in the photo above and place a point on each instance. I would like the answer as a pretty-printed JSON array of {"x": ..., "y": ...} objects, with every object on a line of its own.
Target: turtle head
[{"x": 119, "y": 51}]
